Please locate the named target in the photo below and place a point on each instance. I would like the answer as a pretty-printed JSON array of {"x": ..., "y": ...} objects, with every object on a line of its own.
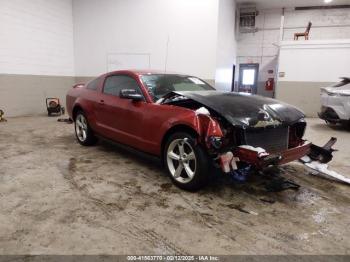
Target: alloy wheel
[
  {"x": 81, "y": 127},
  {"x": 181, "y": 160}
]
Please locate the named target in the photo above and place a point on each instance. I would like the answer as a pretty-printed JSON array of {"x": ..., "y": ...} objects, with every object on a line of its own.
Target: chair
[{"x": 305, "y": 34}]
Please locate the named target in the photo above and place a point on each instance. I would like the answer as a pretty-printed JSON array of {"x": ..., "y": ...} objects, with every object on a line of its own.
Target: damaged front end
[
  {"x": 243, "y": 132},
  {"x": 265, "y": 146}
]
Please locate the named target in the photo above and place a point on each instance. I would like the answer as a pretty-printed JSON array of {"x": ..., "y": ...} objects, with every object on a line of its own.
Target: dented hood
[{"x": 242, "y": 109}]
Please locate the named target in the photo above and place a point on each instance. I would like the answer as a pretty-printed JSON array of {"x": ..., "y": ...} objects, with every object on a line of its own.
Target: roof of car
[{"x": 146, "y": 72}]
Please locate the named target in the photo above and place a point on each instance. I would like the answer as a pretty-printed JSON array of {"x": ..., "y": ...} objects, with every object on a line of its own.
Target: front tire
[
  {"x": 187, "y": 163},
  {"x": 83, "y": 132}
]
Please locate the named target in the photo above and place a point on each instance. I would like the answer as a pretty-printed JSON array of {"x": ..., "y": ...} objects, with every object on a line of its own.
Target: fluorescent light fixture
[{"x": 328, "y": 1}]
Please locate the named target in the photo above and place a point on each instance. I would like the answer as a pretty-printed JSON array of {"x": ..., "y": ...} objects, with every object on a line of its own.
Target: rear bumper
[{"x": 261, "y": 159}]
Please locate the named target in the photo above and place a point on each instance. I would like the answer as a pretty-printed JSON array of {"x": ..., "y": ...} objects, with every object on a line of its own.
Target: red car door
[{"x": 119, "y": 119}]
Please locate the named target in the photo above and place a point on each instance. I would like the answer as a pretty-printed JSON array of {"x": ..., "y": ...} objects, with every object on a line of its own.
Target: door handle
[{"x": 102, "y": 102}]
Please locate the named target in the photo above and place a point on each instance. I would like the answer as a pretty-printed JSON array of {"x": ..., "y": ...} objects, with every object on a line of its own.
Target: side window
[
  {"x": 114, "y": 84},
  {"x": 93, "y": 85}
]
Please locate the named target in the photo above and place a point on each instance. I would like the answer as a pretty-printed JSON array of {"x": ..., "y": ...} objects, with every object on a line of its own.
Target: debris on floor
[
  {"x": 65, "y": 120},
  {"x": 2, "y": 118},
  {"x": 266, "y": 200},
  {"x": 281, "y": 184},
  {"x": 319, "y": 157},
  {"x": 323, "y": 169},
  {"x": 241, "y": 208}
]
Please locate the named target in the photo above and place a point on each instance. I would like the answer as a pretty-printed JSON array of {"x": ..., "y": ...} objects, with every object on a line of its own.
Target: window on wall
[
  {"x": 114, "y": 84},
  {"x": 248, "y": 77}
]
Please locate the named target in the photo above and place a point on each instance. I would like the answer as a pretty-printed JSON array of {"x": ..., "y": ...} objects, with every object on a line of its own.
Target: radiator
[{"x": 273, "y": 140}]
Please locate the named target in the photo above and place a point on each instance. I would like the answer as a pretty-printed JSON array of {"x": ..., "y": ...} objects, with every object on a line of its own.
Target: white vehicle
[{"x": 335, "y": 102}]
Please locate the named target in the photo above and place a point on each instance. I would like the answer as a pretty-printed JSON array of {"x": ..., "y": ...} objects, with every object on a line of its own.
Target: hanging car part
[{"x": 323, "y": 154}]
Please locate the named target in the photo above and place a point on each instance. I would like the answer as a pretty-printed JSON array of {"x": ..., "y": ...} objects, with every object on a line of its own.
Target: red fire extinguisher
[{"x": 269, "y": 84}]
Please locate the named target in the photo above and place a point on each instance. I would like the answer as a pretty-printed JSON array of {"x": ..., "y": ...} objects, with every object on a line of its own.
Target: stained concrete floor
[{"x": 57, "y": 197}]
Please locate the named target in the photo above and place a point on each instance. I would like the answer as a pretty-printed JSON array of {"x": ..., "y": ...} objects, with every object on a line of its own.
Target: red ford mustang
[{"x": 188, "y": 124}]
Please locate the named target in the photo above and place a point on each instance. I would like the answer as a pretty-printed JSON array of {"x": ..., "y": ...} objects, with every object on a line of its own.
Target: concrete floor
[{"x": 57, "y": 197}]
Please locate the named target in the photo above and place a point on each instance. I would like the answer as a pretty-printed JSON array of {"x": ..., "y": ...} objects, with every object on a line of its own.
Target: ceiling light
[{"x": 327, "y": 1}]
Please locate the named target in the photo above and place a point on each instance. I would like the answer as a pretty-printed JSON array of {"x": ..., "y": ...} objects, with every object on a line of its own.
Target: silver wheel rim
[
  {"x": 81, "y": 128},
  {"x": 181, "y": 160}
]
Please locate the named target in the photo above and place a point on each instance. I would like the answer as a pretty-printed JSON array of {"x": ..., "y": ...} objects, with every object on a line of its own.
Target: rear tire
[
  {"x": 83, "y": 132},
  {"x": 187, "y": 163},
  {"x": 346, "y": 124},
  {"x": 330, "y": 123}
]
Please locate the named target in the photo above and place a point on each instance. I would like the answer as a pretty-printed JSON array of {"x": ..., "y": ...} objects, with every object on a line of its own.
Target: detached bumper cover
[
  {"x": 264, "y": 160},
  {"x": 261, "y": 159}
]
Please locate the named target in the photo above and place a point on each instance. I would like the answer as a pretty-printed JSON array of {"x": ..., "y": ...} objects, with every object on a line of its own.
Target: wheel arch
[
  {"x": 76, "y": 108},
  {"x": 173, "y": 130}
]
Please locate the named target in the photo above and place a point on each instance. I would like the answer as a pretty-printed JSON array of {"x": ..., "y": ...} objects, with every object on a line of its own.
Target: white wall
[
  {"x": 226, "y": 45},
  {"x": 263, "y": 46},
  {"x": 36, "y": 54},
  {"x": 133, "y": 26},
  {"x": 36, "y": 37},
  {"x": 47, "y": 45},
  {"x": 306, "y": 66},
  {"x": 326, "y": 24},
  {"x": 314, "y": 60}
]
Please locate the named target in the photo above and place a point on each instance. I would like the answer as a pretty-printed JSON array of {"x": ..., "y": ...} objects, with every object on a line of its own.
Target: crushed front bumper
[{"x": 259, "y": 158}]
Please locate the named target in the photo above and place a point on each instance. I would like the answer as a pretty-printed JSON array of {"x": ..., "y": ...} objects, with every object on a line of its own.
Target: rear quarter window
[{"x": 93, "y": 85}]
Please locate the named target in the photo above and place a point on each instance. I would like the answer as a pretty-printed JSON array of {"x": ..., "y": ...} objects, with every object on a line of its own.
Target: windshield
[{"x": 161, "y": 84}]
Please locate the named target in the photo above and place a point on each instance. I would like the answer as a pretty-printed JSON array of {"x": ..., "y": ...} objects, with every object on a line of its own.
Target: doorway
[
  {"x": 248, "y": 78},
  {"x": 233, "y": 78}
]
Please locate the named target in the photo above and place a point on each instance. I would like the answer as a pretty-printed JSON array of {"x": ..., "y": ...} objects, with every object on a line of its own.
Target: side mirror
[{"x": 131, "y": 94}]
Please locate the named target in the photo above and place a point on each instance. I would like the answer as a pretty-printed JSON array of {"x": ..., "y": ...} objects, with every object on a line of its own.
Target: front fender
[{"x": 203, "y": 125}]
